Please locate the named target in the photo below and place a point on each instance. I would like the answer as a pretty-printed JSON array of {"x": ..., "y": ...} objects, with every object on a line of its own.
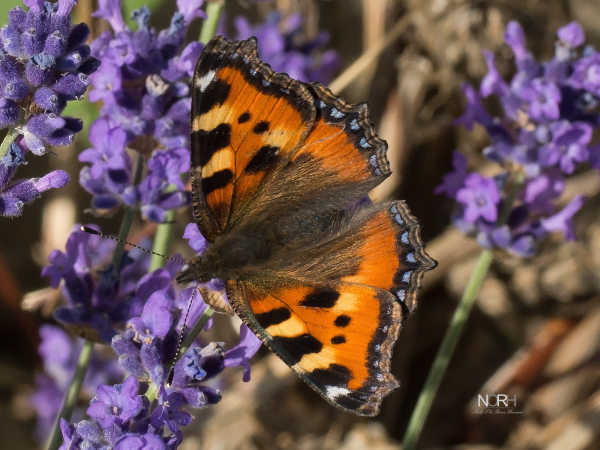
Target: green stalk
[
  {"x": 444, "y": 354},
  {"x": 10, "y": 137},
  {"x": 152, "y": 391},
  {"x": 127, "y": 220},
  {"x": 55, "y": 438},
  {"x": 189, "y": 339},
  {"x": 162, "y": 241},
  {"x": 210, "y": 24}
]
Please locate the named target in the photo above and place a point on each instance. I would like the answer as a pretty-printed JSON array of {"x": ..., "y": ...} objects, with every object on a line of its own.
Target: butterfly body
[{"x": 280, "y": 173}]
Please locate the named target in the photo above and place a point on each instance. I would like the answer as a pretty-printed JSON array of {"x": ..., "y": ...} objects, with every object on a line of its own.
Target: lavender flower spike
[
  {"x": 44, "y": 64},
  {"x": 143, "y": 84},
  {"x": 544, "y": 134}
]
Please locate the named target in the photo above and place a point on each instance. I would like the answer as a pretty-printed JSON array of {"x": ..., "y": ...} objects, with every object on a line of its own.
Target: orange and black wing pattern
[
  {"x": 391, "y": 253},
  {"x": 335, "y": 318},
  {"x": 280, "y": 173},
  {"x": 338, "y": 338},
  {"x": 245, "y": 120},
  {"x": 261, "y": 140}
]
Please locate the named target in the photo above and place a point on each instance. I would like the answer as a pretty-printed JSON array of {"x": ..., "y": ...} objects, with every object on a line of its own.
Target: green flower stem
[
  {"x": 10, "y": 137},
  {"x": 152, "y": 391},
  {"x": 444, "y": 354},
  {"x": 162, "y": 241},
  {"x": 127, "y": 220},
  {"x": 191, "y": 336},
  {"x": 85, "y": 355},
  {"x": 210, "y": 24}
]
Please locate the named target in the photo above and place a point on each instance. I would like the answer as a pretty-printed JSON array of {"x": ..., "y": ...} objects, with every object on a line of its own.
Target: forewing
[
  {"x": 337, "y": 164},
  {"x": 245, "y": 120}
]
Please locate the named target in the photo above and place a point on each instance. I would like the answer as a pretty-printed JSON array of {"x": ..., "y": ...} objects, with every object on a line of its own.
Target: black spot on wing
[
  {"x": 215, "y": 94},
  {"x": 216, "y": 181},
  {"x": 206, "y": 143},
  {"x": 339, "y": 339},
  {"x": 245, "y": 117},
  {"x": 261, "y": 127},
  {"x": 296, "y": 347},
  {"x": 321, "y": 298},
  {"x": 342, "y": 321},
  {"x": 264, "y": 158},
  {"x": 334, "y": 375},
  {"x": 273, "y": 317}
]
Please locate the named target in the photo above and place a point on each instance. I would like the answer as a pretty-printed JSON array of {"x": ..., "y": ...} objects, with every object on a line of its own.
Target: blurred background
[{"x": 535, "y": 330}]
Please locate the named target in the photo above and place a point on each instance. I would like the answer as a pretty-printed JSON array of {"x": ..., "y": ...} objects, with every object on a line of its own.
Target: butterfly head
[{"x": 196, "y": 269}]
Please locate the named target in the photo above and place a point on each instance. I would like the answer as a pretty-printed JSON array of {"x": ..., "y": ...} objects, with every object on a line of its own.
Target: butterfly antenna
[
  {"x": 122, "y": 241},
  {"x": 180, "y": 338}
]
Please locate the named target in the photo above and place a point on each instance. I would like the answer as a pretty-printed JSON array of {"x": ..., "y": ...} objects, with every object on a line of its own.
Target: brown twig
[{"x": 367, "y": 58}]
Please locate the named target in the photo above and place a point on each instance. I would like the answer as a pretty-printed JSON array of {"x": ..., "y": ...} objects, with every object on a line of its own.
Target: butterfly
[{"x": 280, "y": 172}]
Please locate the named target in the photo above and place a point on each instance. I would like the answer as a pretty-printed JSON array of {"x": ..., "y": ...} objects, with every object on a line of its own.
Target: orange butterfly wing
[
  {"x": 260, "y": 139},
  {"x": 286, "y": 163},
  {"x": 245, "y": 118},
  {"x": 334, "y": 319},
  {"x": 338, "y": 337}
]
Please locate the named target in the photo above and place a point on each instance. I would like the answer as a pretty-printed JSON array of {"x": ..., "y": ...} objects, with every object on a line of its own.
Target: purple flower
[
  {"x": 563, "y": 220},
  {"x": 158, "y": 313},
  {"x": 571, "y": 34},
  {"x": 480, "y": 197},
  {"x": 190, "y": 9},
  {"x": 116, "y": 405},
  {"x": 492, "y": 83},
  {"x": 239, "y": 356},
  {"x": 110, "y": 172},
  {"x": 95, "y": 300},
  {"x": 59, "y": 353},
  {"x": 281, "y": 45},
  {"x": 108, "y": 152},
  {"x": 169, "y": 412},
  {"x": 568, "y": 146},
  {"x": 45, "y": 59},
  {"x": 474, "y": 111},
  {"x": 195, "y": 239},
  {"x": 85, "y": 434},
  {"x": 44, "y": 64},
  {"x": 46, "y": 400},
  {"x": 515, "y": 38},
  {"x": 586, "y": 74},
  {"x": 14, "y": 197},
  {"x": 143, "y": 86},
  {"x": 200, "y": 363},
  {"x": 544, "y": 134},
  {"x": 454, "y": 181},
  {"x": 544, "y": 99},
  {"x": 146, "y": 441},
  {"x": 110, "y": 10},
  {"x": 156, "y": 319},
  {"x": 541, "y": 192}
]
